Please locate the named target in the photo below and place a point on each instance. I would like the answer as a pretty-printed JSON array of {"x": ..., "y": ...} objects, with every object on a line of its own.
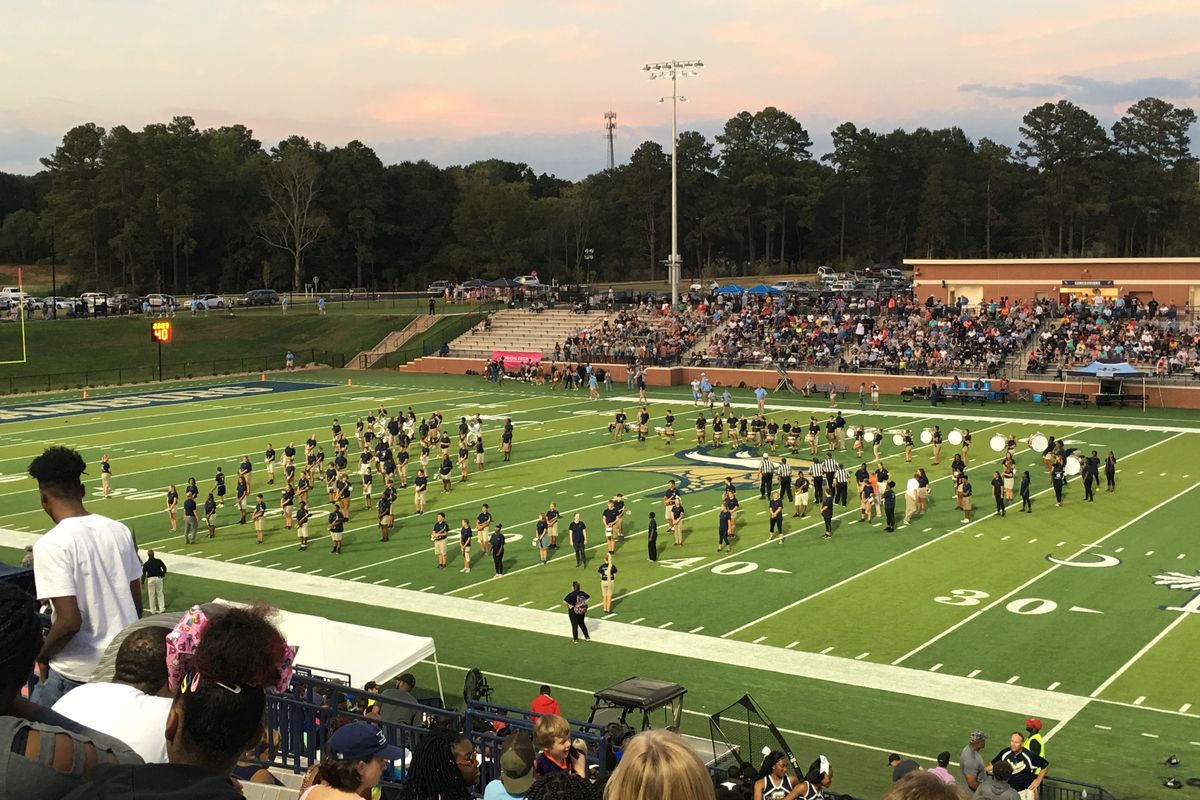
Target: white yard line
[
  {"x": 1052, "y": 568},
  {"x": 766, "y": 658}
]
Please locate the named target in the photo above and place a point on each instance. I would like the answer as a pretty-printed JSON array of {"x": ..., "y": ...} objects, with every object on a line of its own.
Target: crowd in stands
[
  {"x": 1147, "y": 335},
  {"x": 898, "y": 335},
  {"x": 641, "y": 333}
]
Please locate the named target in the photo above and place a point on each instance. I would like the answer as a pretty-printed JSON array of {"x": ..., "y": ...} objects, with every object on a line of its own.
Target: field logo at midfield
[
  {"x": 1188, "y": 583},
  {"x": 699, "y": 470}
]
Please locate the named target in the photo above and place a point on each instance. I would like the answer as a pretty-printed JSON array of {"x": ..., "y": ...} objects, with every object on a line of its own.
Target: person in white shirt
[
  {"x": 87, "y": 567},
  {"x": 912, "y": 491},
  {"x": 134, "y": 707}
]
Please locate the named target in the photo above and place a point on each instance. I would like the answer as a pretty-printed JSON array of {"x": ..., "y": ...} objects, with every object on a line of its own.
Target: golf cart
[{"x": 659, "y": 704}]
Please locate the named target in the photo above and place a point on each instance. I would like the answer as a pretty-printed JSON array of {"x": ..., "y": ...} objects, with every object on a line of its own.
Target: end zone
[{"x": 27, "y": 411}]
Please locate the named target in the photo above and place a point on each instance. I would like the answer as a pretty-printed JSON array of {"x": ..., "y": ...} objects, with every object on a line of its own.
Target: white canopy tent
[{"x": 366, "y": 654}]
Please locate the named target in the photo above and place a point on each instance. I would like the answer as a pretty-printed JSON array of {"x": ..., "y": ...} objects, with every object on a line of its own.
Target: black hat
[{"x": 903, "y": 768}]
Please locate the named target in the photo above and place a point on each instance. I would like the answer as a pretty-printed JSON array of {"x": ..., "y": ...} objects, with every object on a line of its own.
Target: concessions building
[{"x": 1170, "y": 281}]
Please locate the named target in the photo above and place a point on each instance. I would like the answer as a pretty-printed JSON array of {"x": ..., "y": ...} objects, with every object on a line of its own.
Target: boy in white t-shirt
[{"x": 87, "y": 567}]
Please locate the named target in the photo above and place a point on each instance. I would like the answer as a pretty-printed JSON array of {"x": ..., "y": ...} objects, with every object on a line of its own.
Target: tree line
[{"x": 175, "y": 208}]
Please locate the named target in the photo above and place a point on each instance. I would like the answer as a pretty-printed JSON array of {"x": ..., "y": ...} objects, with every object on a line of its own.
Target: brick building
[{"x": 1167, "y": 280}]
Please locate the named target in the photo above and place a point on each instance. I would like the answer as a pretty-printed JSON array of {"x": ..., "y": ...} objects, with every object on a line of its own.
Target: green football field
[{"x": 865, "y": 643}]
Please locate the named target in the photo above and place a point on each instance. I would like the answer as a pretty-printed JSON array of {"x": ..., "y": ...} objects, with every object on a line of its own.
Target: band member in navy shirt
[{"x": 578, "y": 531}]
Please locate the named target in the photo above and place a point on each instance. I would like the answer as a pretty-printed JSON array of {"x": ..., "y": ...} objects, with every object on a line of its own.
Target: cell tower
[{"x": 610, "y": 129}]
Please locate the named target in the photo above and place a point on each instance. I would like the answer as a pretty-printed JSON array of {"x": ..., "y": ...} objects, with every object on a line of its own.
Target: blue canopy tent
[
  {"x": 1112, "y": 372},
  {"x": 732, "y": 288},
  {"x": 762, "y": 288}
]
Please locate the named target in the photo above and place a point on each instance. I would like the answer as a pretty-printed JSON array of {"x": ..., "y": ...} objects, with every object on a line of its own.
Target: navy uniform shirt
[
  {"x": 669, "y": 420},
  {"x": 302, "y": 515},
  {"x": 610, "y": 516},
  {"x": 607, "y": 571},
  {"x": 966, "y": 489},
  {"x": 420, "y": 482},
  {"x": 335, "y": 521},
  {"x": 497, "y": 543},
  {"x": 552, "y": 515},
  {"x": 464, "y": 534},
  {"x": 286, "y": 496},
  {"x": 577, "y": 531},
  {"x": 269, "y": 454},
  {"x": 541, "y": 527},
  {"x": 210, "y": 507},
  {"x": 385, "y": 505},
  {"x": 723, "y": 521},
  {"x": 484, "y": 519},
  {"x": 189, "y": 507},
  {"x": 889, "y": 498},
  {"x": 441, "y": 530},
  {"x": 447, "y": 467},
  {"x": 172, "y": 498},
  {"x": 776, "y": 507},
  {"x": 191, "y": 490},
  {"x": 827, "y": 505},
  {"x": 1057, "y": 476}
]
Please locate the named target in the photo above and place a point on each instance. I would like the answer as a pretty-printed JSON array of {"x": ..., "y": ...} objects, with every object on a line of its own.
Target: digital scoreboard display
[{"x": 160, "y": 331}]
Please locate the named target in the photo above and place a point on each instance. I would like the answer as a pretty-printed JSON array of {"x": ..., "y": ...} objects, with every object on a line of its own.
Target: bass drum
[
  {"x": 955, "y": 438},
  {"x": 898, "y": 439},
  {"x": 927, "y": 436},
  {"x": 1073, "y": 465},
  {"x": 1038, "y": 442},
  {"x": 997, "y": 442}
]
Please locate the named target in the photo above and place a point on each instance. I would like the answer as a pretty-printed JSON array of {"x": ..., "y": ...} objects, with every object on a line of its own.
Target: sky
[{"x": 453, "y": 81}]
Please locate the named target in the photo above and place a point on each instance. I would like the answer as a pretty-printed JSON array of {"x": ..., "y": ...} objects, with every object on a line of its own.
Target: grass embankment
[{"x": 205, "y": 344}]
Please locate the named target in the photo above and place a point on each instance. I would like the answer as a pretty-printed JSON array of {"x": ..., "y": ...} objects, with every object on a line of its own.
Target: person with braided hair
[
  {"x": 87, "y": 567},
  {"x": 562, "y": 786},
  {"x": 43, "y": 755},
  {"x": 221, "y": 660},
  {"x": 443, "y": 766}
]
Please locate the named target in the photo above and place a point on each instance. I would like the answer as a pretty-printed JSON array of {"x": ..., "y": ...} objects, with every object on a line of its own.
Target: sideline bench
[
  {"x": 1119, "y": 400},
  {"x": 1074, "y": 398}
]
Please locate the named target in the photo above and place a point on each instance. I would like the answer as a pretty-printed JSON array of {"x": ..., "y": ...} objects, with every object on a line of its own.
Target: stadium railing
[
  {"x": 300, "y": 721},
  {"x": 1065, "y": 789},
  {"x": 149, "y": 373},
  {"x": 431, "y": 341}
]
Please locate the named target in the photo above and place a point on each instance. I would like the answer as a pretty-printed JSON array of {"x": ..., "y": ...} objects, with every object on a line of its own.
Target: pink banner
[{"x": 513, "y": 360}]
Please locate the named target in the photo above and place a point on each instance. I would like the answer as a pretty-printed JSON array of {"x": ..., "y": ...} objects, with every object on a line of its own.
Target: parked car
[
  {"x": 158, "y": 301},
  {"x": 260, "y": 297},
  {"x": 711, "y": 286},
  {"x": 867, "y": 286},
  {"x": 789, "y": 286},
  {"x": 124, "y": 304},
  {"x": 527, "y": 280},
  {"x": 211, "y": 301},
  {"x": 841, "y": 286},
  {"x": 826, "y": 273},
  {"x": 438, "y": 288}
]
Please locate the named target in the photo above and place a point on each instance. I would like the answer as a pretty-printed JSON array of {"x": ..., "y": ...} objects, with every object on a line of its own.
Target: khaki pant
[{"x": 154, "y": 595}]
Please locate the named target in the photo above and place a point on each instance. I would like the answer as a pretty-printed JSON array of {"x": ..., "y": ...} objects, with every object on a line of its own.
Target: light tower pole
[{"x": 674, "y": 70}]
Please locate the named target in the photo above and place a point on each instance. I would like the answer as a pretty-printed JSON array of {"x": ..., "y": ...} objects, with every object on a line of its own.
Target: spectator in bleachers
[
  {"x": 87, "y": 567},
  {"x": 356, "y": 756},
  {"x": 553, "y": 735},
  {"x": 133, "y": 708},
  {"x": 444, "y": 766},
  {"x": 220, "y": 669},
  {"x": 43, "y": 755},
  {"x": 659, "y": 765},
  {"x": 544, "y": 703},
  {"x": 516, "y": 769},
  {"x": 396, "y": 713},
  {"x": 996, "y": 786},
  {"x": 562, "y": 786},
  {"x": 919, "y": 785}
]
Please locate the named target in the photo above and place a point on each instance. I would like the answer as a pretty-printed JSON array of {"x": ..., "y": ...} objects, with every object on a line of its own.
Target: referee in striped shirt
[
  {"x": 784, "y": 471},
  {"x": 766, "y": 476},
  {"x": 843, "y": 484}
]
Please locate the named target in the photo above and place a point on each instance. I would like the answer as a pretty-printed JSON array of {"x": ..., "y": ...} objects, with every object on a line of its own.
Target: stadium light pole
[{"x": 674, "y": 70}]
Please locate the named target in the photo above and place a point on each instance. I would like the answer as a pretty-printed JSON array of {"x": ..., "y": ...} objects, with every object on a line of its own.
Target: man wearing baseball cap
[
  {"x": 516, "y": 769},
  {"x": 971, "y": 764},
  {"x": 364, "y": 750}
]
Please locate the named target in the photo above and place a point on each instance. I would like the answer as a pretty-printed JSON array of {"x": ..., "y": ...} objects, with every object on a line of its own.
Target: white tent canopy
[{"x": 365, "y": 654}]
